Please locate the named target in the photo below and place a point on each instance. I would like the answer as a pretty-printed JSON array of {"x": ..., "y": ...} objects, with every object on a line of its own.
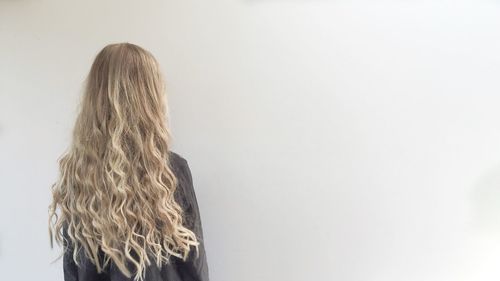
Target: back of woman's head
[{"x": 115, "y": 193}]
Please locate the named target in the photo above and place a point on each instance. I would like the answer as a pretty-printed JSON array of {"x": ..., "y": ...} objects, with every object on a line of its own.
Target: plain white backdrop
[{"x": 328, "y": 140}]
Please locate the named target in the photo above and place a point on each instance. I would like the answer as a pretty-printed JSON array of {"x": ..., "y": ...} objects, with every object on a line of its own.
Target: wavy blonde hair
[{"x": 115, "y": 192}]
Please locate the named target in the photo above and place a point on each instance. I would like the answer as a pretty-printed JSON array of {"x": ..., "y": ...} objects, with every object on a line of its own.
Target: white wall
[{"x": 328, "y": 140}]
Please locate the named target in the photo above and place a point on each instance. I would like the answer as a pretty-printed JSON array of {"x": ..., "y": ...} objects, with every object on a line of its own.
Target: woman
[{"x": 124, "y": 206}]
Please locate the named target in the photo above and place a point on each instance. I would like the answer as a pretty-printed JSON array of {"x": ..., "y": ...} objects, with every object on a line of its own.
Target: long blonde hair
[{"x": 115, "y": 192}]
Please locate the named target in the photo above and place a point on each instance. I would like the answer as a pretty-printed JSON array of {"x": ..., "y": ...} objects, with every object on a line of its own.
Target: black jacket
[{"x": 194, "y": 269}]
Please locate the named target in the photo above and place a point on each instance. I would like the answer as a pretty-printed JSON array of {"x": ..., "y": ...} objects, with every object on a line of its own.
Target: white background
[{"x": 328, "y": 140}]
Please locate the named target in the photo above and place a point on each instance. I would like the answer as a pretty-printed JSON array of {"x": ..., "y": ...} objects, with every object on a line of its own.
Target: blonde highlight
[{"x": 115, "y": 192}]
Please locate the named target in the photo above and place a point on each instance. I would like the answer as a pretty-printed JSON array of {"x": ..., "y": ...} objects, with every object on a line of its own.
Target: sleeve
[
  {"x": 70, "y": 268},
  {"x": 195, "y": 268}
]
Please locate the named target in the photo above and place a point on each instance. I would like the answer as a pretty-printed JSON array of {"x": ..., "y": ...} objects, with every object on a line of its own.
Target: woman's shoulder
[
  {"x": 177, "y": 162},
  {"x": 175, "y": 156}
]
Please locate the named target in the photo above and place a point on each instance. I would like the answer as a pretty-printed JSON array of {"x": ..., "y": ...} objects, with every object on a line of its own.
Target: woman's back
[
  {"x": 193, "y": 269},
  {"x": 124, "y": 206}
]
